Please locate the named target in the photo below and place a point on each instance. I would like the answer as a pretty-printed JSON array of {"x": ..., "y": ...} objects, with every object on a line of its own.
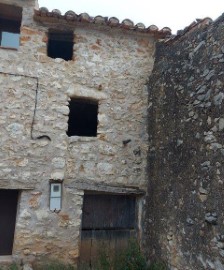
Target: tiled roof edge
[
  {"x": 71, "y": 16},
  {"x": 193, "y": 26}
]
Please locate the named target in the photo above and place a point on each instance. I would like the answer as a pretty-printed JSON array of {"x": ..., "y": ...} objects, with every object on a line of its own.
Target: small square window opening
[
  {"x": 10, "y": 21},
  {"x": 60, "y": 45},
  {"x": 82, "y": 118}
]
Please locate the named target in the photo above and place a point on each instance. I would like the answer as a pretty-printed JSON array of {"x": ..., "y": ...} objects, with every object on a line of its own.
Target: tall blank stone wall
[{"x": 184, "y": 213}]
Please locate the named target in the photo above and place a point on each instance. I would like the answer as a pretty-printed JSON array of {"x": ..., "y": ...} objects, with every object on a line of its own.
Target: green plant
[
  {"x": 53, "y": 266},
  {"x": 104, "y": 261},
  {"x": 158, "y": 266},
  {"x": 13, "y": 267},
  {"x": 9, "y": 267},
  {"x": 131, "y": 258}
]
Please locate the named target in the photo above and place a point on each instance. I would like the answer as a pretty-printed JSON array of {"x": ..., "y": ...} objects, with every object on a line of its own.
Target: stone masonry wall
[
  {"x": 109, "y": 65},
  {"x": 184, "y": 213}
]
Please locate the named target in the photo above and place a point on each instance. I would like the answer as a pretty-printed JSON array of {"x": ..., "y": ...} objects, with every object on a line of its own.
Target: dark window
[
  {"x": 82, "y": 118},
  {"x": 60, "y": 45},
  {"x": 10, "y": 21}
]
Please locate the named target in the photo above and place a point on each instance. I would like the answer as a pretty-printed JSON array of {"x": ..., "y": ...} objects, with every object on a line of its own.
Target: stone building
[
  {"x": 110, "y": 130},
  {"x": 73, "y": 126}
]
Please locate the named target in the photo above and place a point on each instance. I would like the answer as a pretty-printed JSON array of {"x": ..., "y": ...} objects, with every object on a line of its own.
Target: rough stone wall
[
  {"x": 118, "y": 65},
  {"x": 184, "y": 213},
  {"x": 109, "y": 65}
]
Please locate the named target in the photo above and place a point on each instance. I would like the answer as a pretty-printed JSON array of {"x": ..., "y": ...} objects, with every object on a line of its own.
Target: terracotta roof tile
[
  {"x": 100, "y": 20},
  {"x": 70, "y": 15},
  {"x": 56, "y": 13},
  {"x": 113, "y": 21},
  {"x": 44, "y": 14}
]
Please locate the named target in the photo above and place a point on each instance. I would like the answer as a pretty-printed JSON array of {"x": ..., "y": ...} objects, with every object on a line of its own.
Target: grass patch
[
  {"x": 53, "y": 266},
  {"x": 130, "y": 258},
  {"x": 158, "y": 266},
  {"x": 10, "y": 267}
]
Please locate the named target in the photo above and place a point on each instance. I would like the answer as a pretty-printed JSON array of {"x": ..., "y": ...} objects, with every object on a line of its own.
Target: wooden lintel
[
  {"x": 13, "y": 185},
  {"x": 100, "y": 187}
]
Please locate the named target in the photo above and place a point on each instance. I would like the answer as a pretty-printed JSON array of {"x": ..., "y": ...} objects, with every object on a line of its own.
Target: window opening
[
  {"x": 60, "y": 45},
  {"x": 82, "y": 118},
  {"x": 10, "y": 22}
]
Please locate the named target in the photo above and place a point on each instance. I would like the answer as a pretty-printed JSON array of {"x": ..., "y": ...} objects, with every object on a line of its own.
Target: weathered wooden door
[
  {"x": 8, "y": 207},
  {"x": 108, "y": 222}
]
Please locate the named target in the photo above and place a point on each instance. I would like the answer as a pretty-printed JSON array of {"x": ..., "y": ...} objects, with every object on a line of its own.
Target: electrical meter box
[{"x": 55, "y": 196}]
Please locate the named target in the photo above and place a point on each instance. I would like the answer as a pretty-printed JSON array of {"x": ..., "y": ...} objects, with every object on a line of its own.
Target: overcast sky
[{"x": 172, "y": 13}]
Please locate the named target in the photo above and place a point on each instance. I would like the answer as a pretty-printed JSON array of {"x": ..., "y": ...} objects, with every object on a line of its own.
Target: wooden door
[
  {"x": 108, "y": 221},
  {"x": 8, "y": 207}
]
